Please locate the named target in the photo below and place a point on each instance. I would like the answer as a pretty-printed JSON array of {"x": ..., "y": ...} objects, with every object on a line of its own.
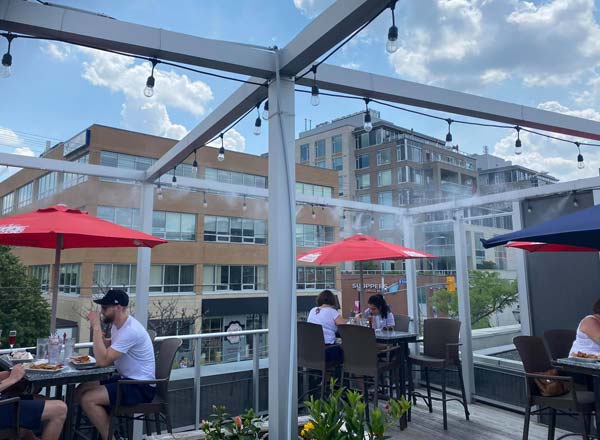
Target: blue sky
[{"x": 543, "y": 54}]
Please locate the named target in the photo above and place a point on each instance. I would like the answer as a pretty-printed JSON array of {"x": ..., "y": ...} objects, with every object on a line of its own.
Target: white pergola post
[
  {"x": 142, "y": 288},
  {"x": 464, "y": 305},
  {"x": 521, "y": 263},
  {"x": 412, "y": 298},
  {"x": 283, "y": 405}
]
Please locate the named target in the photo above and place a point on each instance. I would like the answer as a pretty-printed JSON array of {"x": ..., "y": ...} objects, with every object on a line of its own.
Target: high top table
[{"x": 69, "y": 376}]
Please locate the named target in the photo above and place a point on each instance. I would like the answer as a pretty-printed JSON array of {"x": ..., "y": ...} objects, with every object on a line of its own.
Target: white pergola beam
[
  {"x": 41, "y": 163},
  {"x": 384, "y": 88},
  {"x": 89, "y": 29}
]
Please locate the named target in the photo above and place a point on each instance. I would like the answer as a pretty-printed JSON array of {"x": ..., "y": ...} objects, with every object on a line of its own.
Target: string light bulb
[
  {"x": 367, "y": 123},
  {"x": 244, "y": 206},
  {"x": 149, "y": 89},
  {"x": 159, "y": 192},
  {"x": 518, "y": 144},
  {"x": 258, "y": 121},
  {"x": 195, "y": 163},
  {"x": 221, "y": 156},
  {"x": 314, "y": 90},
  {"x": 7, "y": 59},
  {"x": 580, "y": 162},
  {"x": 313, "y": 214},
  {"x": 204, "y": 202},
  {"x": 265, "y": 113},
  {"x": 392, "y": 41},
  {"x": 174, "y": 180},
  {"x": 449, "y": 134},
  {"x": 372, "y": 220}
]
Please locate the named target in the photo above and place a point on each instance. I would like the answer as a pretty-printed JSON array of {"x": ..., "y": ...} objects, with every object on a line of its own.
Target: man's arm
[
  {"x": 9, "y": 378},
  {"x": 104, "y": 355}
]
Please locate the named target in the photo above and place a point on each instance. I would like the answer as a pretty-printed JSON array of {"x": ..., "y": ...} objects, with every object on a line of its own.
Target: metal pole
[
  {"x": 256, "y": 371},
  {"x": 362, "y": 286},
  {"x": 144, "y": 255},
  {"x": 55, "y": 279},
  {"x": 521, "y": 261},
  {"x": 464, "y": 305},
  {"x": 283, "y": 405},
  {"x": 412, "y": 298},
  {"x": 197, "y": 381}
]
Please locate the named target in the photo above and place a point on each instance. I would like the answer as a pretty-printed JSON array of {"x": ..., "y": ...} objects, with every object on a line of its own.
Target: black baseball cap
[{"x": 114, "y": 297}]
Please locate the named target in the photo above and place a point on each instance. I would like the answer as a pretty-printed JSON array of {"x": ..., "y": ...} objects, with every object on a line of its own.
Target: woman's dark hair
[
  {"x": 326, "y": 297},
  {"x": 596, "y": 307},
  {"x": 379, "y": 302}
]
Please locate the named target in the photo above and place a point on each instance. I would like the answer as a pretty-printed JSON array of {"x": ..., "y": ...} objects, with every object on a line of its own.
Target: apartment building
[{"x": 215, "y": 263}]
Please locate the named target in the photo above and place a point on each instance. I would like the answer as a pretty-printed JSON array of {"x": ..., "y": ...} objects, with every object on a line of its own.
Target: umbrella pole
[
  {"x": 362, "y": 286},
  {"x": 55, "y": 276}
]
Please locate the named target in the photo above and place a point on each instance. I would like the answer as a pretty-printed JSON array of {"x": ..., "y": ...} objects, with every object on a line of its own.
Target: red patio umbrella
[
  {"x": 361, "y": 248},
  {"x": 536, "y": 246},
  {"x": 60, "y": 227}
]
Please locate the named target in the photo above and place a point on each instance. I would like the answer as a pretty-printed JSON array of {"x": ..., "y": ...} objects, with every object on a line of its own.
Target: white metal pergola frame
[{"x": 279, "y": 67}]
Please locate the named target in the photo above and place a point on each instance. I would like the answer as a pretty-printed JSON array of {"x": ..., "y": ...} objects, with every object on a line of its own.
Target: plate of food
[
  {"x": 43, "y": 367},
  {"x": 586, "y": 357},
  {"x": 83, "y": 360},
  {"x": 17, "y": 357}
]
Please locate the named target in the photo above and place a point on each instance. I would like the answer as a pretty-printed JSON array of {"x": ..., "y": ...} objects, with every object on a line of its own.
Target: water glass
[
  {"x": 69, "y": 348},
  {"x": 41, "y": 349},
  {"x": 54, "y": 346}
]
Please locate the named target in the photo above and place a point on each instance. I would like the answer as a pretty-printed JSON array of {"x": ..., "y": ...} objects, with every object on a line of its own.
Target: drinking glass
[
  {"x": 53, "y": 349},
  {"x": 41, "y": 350},
  {"x": 12, "y": 338}
]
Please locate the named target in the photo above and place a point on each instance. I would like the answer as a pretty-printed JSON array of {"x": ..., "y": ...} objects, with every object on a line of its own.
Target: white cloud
[
  {"x": 9, "y": 137},
  {"x": 470, "y": 43},
  {"x": 233, "y": 140},
  {"x": 13, "y": 144},
  {"x": 312, "y": 8},
  {"x": 58, "y": 51},
  {"x": 351, "y": 65}
]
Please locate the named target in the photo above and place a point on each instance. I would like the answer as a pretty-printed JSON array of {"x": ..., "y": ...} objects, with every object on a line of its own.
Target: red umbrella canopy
[
  {"x": 360, "y": 247},
  {"x": 536, "y": 246},
  {"x": 80, "y": 230}
]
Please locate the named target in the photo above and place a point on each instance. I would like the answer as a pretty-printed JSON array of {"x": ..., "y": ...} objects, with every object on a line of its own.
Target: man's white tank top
[{"x": 583, "y": 342}]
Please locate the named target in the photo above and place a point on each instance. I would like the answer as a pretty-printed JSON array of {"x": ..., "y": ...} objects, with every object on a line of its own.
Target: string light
[
  {"x": 372, "y": 220},
  {"x": 449, "y": 134},
  {"x": 174, "y": 180},
  {"x": 244, "y": 206},
  {"x": 6, "y": 59},
  {"x": 529, "y": 209},
  {"x": 367, "y": 124},
  {"x": 580, "y": 163},
  {"x": 159, "y": 193},
  {"x": 195, "y": 163},
  {"x": 204, "y": 202},
  {"x": 265, "y": 113},
  {"x": 314, "y": 90},
  {"x": 149, "y": 89},
  {"x": 313, "y": 214},
  {"x": 392, "y": 41},
  {"x": 518, "y": 145},
  {"x": 258, "y": 122},
  {"x": 221, "y": 156}
]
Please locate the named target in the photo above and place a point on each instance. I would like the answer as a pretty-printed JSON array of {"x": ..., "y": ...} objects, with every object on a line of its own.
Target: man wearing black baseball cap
[{"x": 129, "y": 349}]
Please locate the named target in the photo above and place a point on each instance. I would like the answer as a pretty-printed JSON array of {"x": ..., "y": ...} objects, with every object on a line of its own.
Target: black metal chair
[
  {"x": 159, "y": 407},
  {"x": 11, "y": 433},
  {"x": 559, "y": 342},
  {"x": 311, "y": 355},
  {"x": 536, "y": 362},
  {"x": 440, "y": 353},
  {"x": 401, "y": 323}
]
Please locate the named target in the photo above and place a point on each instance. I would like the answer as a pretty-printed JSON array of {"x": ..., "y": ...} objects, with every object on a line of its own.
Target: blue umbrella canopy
[{"x": 581, "y": 228}]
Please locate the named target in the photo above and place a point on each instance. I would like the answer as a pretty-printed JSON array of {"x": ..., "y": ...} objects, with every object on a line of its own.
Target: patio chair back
[
  {"x": 164, "y": 364},
  {"x": 152, "y": 334},
  {"x": 401, "y": 323},
  {"x": 360, "y": 350},
  {"x": 559, "y": 342},
  {"x": 311, "y": 346},
  {"x": 437, "y": 334},
  {"x": 13, "y": 405},
  {"x": 533, "y": 354}
]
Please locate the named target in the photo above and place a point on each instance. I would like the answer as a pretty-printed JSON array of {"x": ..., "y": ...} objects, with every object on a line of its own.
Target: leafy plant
[{"x": 221, "y": 426}]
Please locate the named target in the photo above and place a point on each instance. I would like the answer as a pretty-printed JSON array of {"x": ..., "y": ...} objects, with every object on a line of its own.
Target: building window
[
  {"x": 25, "y": 195},
  {"x": 314, "y": 235},
  {"x": 234, "y": 230},
  {"x": 479, "y": 249},
  {"x": 340, "y": 185},
  {"x": 47, "y": 184},
  {"x": 42, "y": 274},
  {"x": 304, "y": 153},
  {"x": 364, "y": 198},
  {"x": 313, "y": 190},
  {"x": 386, "y": 222},
  {"x": 337, "y": 164},
  {"x": 363, "y": 181},
  {"x": 385, "y": 198},
  {"x": 410, "y": 151},
  {"x": 169, "y": 326},
  {"x": 172, "y": 278},
  {"x": 320, "y": 148},
  {"x": 69, "y": 279},
  {"x": 384, "y": 156},
  {"x": 315, "y": 278},
  {"x": 234, "y": 278},
  {"x": 362, "y": 161},
  {"x": 212, "y": 348},
  {"x": 8, "y": 203},
  {"x": 384, "y": 178},
  {"x": 127, "y": 161},
  {"x": 500, "y": 254},
  {"x": 416, "y": 176},
  {"x": 321, "y": 164},
  {"x": 72, "y": 179},
  {"x": 175, "y": 226},
  {"x": 119, "y": 276},
  {"x": 127, "y": 217},
  {"x": 336, "y": 144},
  {"x": 236, "y": 178}
]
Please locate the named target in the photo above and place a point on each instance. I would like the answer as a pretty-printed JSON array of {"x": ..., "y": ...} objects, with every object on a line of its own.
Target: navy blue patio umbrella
[{"x": 581, "y": 228}]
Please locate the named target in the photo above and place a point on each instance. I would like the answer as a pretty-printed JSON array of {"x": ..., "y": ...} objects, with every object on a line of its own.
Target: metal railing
[{"x": 198, "y": 337}]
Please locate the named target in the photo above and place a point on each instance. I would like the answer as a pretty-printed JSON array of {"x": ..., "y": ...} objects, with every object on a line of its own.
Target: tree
[
  {"x": 488, "y": 292},
  {"x": 22, "y": 306},
  {"x": 167, "y": 317}
]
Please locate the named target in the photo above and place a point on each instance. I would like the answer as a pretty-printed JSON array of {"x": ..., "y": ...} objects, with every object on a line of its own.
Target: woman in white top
[
  {"x": 380, "y": 313},
  {"x": 588, "y": 333},
  {"x": 328, "y": 317}
]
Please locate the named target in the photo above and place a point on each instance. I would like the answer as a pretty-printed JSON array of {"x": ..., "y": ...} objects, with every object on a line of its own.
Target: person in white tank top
[{"x": 588, "y": 333}]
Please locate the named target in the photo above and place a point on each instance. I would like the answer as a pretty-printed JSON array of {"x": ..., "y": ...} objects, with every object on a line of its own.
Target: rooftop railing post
[
  {"x": 197, "y": 381},
  {"x": 521, "y": 263},
  {"x": 256, "y": 371}
]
